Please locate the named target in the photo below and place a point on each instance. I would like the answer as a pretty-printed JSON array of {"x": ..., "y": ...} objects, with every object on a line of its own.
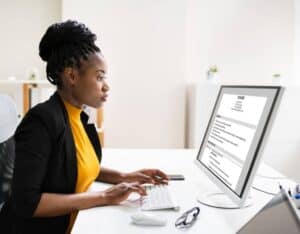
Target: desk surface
[{"x": 116, "y": 219}]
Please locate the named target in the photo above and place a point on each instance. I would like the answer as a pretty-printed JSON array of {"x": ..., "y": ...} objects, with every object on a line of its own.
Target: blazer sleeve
[{"x": 33, "y": 148}]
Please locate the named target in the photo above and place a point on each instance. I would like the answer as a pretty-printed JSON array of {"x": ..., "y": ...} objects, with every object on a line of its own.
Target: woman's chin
[{"x": 99, "y": 105}]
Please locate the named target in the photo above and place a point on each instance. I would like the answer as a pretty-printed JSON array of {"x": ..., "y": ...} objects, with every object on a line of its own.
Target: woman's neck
[{"x": 67, "y": 96}]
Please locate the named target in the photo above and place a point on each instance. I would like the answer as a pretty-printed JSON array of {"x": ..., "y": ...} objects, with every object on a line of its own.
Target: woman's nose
[{"x": 106, "y": 87}]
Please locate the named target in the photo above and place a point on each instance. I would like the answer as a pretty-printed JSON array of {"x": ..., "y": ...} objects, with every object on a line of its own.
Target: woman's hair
[{"x": 65, "y": 45}]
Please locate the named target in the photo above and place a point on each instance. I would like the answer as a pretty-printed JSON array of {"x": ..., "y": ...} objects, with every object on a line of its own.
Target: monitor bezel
[{"x": 240, "y": 200}]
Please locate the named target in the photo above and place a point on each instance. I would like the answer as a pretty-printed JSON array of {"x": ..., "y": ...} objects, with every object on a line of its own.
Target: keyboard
[{"x": 158, "y": 197}]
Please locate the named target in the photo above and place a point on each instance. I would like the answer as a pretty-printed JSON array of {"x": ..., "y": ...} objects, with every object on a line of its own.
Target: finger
[
  {"x": 136, "y": 185},
  {"x": 143, "y": 178},
  {"x": 159, "y": 180},
  {"x": 162, "y": 175},
  {"x": 138, "y": 189},
  {"x": 165, "y": 182},
  {"x": 133, "y": 184}
]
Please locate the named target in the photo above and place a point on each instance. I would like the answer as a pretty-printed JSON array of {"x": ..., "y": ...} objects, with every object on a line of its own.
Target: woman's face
[{"x": 90, "y": 86}]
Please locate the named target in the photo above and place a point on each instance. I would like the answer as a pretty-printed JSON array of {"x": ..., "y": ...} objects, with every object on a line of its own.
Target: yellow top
[{"x": 88, "y": 167}]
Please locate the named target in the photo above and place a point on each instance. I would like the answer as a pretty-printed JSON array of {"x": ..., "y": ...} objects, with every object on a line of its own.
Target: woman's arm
[
  {"x": 110, "y": 176},
  {"x": 152, "y": 176},
  {"x": 60, "y": 204},
  {"x": 52, "y": 204},
  {"x": 33, "y": 147}
]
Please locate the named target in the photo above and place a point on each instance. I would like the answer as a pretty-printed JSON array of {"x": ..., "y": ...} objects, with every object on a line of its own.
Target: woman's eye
[{"x": 100, "y": 78}]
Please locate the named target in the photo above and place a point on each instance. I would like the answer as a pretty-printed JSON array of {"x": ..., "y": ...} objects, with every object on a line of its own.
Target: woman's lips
[{"x": 103, "y": 98}]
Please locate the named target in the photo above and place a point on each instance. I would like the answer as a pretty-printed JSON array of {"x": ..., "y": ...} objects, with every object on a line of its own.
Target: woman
[{"x": 58, "y": 153}]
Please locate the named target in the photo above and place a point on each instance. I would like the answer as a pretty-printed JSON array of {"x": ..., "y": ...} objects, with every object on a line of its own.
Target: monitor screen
[{"x": 235, "y": 132}]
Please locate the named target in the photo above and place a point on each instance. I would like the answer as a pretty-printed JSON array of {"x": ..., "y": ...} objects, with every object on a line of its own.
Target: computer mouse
[{"x": 141, "y": 218}]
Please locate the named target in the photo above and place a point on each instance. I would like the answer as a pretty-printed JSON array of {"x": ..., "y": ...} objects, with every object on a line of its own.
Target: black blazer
[{"x": 45, "y": 162}]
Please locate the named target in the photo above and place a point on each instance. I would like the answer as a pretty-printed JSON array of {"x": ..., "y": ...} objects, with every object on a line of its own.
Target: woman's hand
[
  {"x": 151, "y": 176},
  {"x": 120, "y": 192}
]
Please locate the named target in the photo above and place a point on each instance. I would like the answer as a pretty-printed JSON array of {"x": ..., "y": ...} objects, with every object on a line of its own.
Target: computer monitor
[{"x": 234, "y": 140}]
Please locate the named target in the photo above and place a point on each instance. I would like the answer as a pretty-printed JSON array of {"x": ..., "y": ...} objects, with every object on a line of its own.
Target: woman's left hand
[{"x": 151, "y": 176}]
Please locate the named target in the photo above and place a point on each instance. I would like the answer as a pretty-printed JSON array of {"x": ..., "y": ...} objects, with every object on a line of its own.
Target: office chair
[{"x": 8, "y": 124}]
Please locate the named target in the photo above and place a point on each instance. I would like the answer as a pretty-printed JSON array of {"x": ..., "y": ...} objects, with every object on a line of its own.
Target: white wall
[
  {"x": 249, "y": 40},
  {"x": 283, "y": 148},
  {"x": 22, "y": 26},
  {"x": 297, "y": 42},
  {"x": 144, "y": 44},
  {"x": 173, "y": 43},
  {"x": 154, "y": 48}
]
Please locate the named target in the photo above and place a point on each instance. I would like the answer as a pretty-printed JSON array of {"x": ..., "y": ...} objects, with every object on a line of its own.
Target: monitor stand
[{"x": 221, "y": 200}]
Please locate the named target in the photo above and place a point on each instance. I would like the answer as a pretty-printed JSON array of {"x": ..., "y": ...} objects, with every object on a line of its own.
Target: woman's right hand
[{"x": 120, "y": 192}]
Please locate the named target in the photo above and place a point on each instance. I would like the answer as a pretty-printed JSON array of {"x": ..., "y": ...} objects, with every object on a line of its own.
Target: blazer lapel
[
  {"x": 92, "y": 134},
  {"x": 69, "y": 145},
  {"x": 71, "y": 160}
]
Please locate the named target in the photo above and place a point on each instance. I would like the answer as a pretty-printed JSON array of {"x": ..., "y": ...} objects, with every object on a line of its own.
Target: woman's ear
[{"x": 70, "y": 75}]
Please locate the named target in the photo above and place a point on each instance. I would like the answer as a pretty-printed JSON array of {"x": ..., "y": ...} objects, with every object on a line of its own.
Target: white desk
[{"x": 116, "y": 219}]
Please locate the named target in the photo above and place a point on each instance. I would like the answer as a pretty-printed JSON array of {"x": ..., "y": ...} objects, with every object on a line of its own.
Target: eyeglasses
[{"x": 187, "y": 218}]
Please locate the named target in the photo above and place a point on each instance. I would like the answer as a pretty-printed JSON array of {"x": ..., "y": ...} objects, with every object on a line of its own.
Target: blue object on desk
[{"x": 297, "y": 196}]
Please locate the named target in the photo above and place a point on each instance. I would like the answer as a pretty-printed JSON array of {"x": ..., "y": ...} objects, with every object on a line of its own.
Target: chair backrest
[
  {"x": 8, "y": 124},
  {"x": 7, "y": 158},
  {"x": 8, "y": 117}
]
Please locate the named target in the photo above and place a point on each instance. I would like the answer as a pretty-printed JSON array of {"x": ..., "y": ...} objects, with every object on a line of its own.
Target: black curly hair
[{"x": 64, "y": 45}]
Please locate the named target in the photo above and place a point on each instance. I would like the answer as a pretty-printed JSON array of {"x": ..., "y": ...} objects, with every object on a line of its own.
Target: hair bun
[{"x": 59, "y": 35}]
